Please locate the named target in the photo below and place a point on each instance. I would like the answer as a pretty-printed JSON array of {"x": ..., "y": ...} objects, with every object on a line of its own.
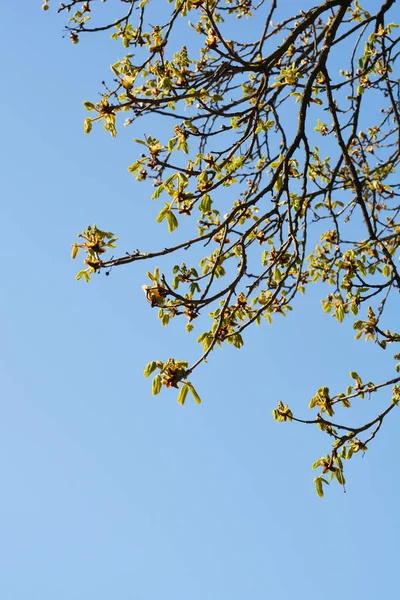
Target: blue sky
[{"x": 108, "y": 492}]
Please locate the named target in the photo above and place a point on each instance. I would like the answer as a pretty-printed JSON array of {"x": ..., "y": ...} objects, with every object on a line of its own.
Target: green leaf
[
  {"x": 277, "y": 276},
  {"x": 339, "y": 312},
  {"x": 183, "y": 180},
  {"x": 318, "y": 487},
  {"x": 88, "y": 105},
  {"x": 354, "y": 309},
  {"x": 172, "y": 143},
  {"x": 339, "y": 477},
  {"x": 156, "y": 385},
  {"x": 194, "y": 393},
  {"x": 172, "y": 221},
  {"x": 134, "y": 167},
  {"x": 205, "y": 204},
  {"x": 157, "y": 192},
  {"x": 182, "y": 394},
  {"x": 149, "y": 368},
  {"x": 170, "y": 179},
  {"x": 162, "y": 214},
  {"x": 87, "y": 125},
  {"x": 85, "y": 274}
]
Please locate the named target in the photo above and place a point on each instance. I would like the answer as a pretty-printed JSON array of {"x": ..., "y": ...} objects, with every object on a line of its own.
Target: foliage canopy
[{"x": 281, "y": 162}]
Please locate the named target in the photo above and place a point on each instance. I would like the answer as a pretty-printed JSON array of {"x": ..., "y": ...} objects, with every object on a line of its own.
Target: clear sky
[{"x": 106, "y": 491}]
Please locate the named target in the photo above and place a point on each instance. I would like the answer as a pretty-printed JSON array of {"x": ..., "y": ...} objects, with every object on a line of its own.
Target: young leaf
[
  {"x": 194, "y": 393},
  {"x": 156, "y": 385},
  {"x": 150, "y": 367},
  {"x": 172, "y": 221},
  {"x": 183, "y": 393},
  {"x": 318, "y": 487}
]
